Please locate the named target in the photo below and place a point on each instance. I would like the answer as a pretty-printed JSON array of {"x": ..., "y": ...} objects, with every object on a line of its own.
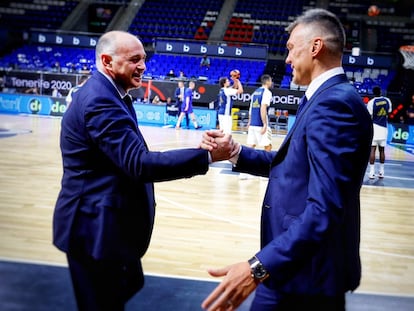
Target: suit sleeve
[
  {"x": 115, "y": 133},
  {"x": 254, "y": 161}
]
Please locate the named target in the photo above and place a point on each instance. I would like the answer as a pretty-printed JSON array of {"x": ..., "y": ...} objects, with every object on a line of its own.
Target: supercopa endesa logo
[{"x": 34, "y": 105}]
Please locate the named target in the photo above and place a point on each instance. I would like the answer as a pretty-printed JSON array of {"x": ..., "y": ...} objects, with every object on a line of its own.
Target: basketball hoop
[{"x": 407, "y": 52}]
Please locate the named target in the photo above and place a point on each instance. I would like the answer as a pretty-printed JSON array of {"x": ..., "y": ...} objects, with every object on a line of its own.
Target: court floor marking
[
  {"x": 224, "y": 219},
  {"x": 209, "y": 215}
]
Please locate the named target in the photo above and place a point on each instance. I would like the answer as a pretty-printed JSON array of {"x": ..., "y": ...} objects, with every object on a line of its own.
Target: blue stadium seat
[
  {"x": 190, "y": 17},
  {"x": 26, "y": 14}
]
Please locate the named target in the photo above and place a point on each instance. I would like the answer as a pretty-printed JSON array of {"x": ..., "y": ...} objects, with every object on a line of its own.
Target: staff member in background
[
  {"x": 310, "y": 235},
  {"x": 104, "y": 213}
]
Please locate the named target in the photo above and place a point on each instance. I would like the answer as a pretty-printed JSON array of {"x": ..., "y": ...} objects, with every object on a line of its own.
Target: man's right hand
[{"x": 221, "y": 146}]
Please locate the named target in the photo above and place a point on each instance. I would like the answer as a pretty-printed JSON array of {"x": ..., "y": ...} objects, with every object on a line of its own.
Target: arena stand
[
  {"x": 26, "y": 14},
  {"x": 246, "y": 22}
]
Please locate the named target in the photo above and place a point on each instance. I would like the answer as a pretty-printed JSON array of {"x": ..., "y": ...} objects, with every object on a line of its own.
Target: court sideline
[{"x": 210, "y": 220}]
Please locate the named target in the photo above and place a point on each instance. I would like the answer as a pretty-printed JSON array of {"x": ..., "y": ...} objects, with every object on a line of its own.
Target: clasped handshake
[{"x": 221, "y": 146}]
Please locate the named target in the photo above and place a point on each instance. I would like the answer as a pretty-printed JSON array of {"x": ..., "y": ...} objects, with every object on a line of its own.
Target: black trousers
[
  {"x": 102, "y": 285},
  {"x": 320, "y": 303},
  {"x": 268, "y": 300}
]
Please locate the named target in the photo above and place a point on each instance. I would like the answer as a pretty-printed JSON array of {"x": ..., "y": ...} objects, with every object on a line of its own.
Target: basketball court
[{"x": 201, "y": 222}]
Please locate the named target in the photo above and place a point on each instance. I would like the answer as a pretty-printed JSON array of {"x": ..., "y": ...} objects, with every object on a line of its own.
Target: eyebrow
[{"x": 138, "y": 56}]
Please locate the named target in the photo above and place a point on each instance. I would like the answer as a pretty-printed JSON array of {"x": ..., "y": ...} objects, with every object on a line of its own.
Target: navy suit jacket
[
  {"x": 310, "y": 230},
  {"x": 106, "y": 205}
]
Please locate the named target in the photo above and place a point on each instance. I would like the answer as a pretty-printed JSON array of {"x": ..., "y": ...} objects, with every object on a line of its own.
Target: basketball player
[
  {"x": 378, "y": 107},
  {"x": 226, "y": 102},
  {"x": 259, "y": 131},
  {"x": 187, "y": 107}
]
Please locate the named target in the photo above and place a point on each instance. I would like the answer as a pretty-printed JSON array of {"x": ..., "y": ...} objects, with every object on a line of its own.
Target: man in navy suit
[
  {"x": 105, "y": 210},
  {"x": 310, "y": 227}
]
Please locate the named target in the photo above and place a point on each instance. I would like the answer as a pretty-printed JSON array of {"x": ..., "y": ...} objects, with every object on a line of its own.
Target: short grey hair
[
  {"x": 325, "y": 24},
  {"x": 108, "y": 43}
]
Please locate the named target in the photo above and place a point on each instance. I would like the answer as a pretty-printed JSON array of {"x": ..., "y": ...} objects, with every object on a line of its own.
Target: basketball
[
  {"x": 235, "y": 74},
  {"x": 373, "y": 10}
]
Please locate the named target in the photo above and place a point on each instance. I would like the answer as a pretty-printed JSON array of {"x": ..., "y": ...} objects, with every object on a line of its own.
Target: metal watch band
[{"x": 257, "y": 270}]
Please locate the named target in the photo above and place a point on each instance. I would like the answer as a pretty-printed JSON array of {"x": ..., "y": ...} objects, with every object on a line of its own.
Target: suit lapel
[
  {"x": 126, "y": 101},
  {"x": 327, "y": 84}
]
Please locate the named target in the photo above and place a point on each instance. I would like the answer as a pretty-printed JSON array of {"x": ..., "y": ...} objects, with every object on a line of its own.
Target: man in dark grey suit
[
  {"x": 104, "y": 214},
  {"x": 310, "y": 234}
]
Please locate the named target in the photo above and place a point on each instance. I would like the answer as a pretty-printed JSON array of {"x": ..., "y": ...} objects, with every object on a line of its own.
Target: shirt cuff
[
  {"x": 235, "y": 158},
  {"x": 210, "y": 160}
]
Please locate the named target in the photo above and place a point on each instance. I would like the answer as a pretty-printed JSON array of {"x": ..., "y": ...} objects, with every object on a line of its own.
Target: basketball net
[{"x": 407, "y": 52}]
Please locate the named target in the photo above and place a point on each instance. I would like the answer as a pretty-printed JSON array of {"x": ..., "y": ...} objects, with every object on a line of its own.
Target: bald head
[
  {"x": 110, "y": 42},
  {"x": 121, "y": 56}
]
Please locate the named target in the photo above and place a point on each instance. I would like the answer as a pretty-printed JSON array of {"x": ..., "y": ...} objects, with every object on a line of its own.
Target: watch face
[{"x": 259, "y": 272}]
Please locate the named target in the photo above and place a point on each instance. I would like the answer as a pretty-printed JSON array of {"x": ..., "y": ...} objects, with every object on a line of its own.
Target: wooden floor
[{"x": 206, "y": 221}]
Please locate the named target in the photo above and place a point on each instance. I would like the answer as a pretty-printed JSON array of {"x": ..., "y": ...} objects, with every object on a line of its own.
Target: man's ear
[
  {"x": 317, "y": 46},
  {"x": 106, "y": 60}
]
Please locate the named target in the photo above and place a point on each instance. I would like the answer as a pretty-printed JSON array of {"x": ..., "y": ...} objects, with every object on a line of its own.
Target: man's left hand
[{"x": 236, "y": 286}]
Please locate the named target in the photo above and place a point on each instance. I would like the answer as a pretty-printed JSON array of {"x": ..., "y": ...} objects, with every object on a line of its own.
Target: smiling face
[
  {"x": 124, "y": 62},
  {"x": 300, "y": 56},
  {"x": 128, "y": 64}
]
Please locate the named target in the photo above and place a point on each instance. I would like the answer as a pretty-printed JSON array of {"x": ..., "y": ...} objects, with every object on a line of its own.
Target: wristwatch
[{"x": 259, "y": 272}]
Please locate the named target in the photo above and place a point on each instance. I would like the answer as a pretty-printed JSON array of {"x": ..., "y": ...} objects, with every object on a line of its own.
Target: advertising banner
[
  {"x": 204, "y": 94},
  {"x": 55, "y": 38},
  {"x": 157, "y": 115},
  {"x": 400, "y": 134},
  {"x": 22, "y": 81},
  {"x": 221, "y": 49},
  {"x": 51, "y": 106},
  {"x": 32, "y": 104},
  {"x": 367, "y": 61}
]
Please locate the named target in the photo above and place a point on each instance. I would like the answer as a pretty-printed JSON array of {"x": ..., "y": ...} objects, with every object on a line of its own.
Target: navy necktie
[
  {"x": 128, "y": 101},
  {"x": 302, "y": 104}
]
